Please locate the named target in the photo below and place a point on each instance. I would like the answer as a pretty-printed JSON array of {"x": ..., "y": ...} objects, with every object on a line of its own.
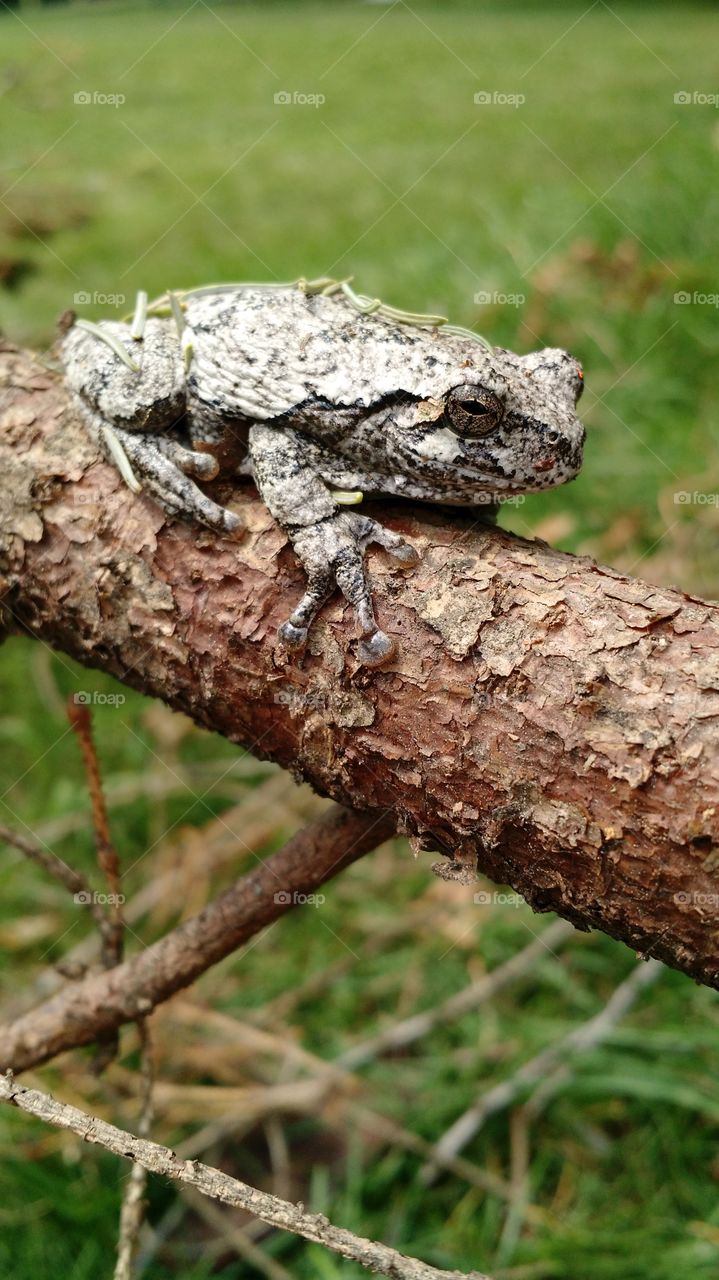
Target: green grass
[{"x": 596, "y": 200}]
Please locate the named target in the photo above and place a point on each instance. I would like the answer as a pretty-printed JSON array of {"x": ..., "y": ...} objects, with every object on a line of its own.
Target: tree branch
[
  {"x": 85, "y": 1011},
  {"x": 552, "y": 719},
  {"x": 220, "y": 1186}
]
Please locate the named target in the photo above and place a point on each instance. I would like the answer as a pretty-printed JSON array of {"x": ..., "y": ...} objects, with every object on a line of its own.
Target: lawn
[{"x": 146, "y": 147}]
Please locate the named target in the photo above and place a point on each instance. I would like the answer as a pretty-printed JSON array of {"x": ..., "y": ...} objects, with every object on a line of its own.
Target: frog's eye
[{"x": 473, "y": 410}]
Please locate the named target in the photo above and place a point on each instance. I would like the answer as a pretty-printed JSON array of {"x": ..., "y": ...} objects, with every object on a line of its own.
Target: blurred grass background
[{"x": 594, "y": 202}]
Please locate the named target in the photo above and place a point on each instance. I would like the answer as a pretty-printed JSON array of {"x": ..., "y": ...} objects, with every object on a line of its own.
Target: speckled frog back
[{"x": 267, "y": 351}]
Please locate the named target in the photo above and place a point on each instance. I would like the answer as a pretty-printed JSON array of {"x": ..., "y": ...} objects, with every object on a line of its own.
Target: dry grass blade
[
  {"x": 582, "y": 1038},
  {"x": 76, "y": 884},
  {"x": 233, "y": 1237},
  {"x": 407, "y": 1032}
]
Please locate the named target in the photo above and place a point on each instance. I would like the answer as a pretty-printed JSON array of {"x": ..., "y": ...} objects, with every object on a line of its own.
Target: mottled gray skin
[{"x": 328, "y": 399}]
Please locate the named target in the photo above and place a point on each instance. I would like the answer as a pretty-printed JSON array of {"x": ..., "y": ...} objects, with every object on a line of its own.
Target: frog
[{"x": 328, "y": 397}]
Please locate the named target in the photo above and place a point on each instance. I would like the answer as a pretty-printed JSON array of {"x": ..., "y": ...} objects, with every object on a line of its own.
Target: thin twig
[
  {"x": 132, "y": 1211},
  {"x": 583, "y": 1038},
  {"x": 108, "y": 861},
  {"x": 220, "y": 1186}
]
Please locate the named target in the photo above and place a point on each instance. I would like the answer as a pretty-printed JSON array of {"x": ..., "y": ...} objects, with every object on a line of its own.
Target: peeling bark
[{"x": 546, "y": 717}]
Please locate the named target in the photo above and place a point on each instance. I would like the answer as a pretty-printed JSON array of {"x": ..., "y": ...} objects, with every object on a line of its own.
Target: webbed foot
[{"x": 332, "y": 552}]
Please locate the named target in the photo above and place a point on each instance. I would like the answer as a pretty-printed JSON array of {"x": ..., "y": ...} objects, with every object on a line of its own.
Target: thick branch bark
[{"x": 546, "y": 716}]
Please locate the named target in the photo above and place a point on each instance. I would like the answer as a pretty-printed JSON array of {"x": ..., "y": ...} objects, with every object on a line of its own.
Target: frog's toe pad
[
  {"x": 292, "y": 637},
  {"x": 376, "y": 650},
  {"x": 406, "y": 555},
  {"x": 203, "y": 466}
]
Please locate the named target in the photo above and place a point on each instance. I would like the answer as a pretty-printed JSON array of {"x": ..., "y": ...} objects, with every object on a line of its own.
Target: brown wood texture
[{"x": 546, "y": 717}]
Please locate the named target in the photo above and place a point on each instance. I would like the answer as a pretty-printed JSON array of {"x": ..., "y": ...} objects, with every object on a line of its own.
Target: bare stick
[
  {"x": 219, "y": 1186},
  {"x": 580, "y": 1040},
  {"x": 87, "y": 1010}
]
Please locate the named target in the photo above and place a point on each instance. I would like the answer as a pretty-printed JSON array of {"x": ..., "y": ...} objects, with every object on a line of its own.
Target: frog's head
[
  {"x": 497, "y": 424},
  {"x": 134, "y": 384}
]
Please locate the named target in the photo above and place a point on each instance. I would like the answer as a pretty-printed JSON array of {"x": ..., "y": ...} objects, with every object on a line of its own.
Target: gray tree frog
[{"x": 332, "y": 397}]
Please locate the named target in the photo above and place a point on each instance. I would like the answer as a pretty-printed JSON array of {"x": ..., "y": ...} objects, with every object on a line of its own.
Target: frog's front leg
[
  {"x": 330, "y": 542},
  {"x": 164, "y": 467}
]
